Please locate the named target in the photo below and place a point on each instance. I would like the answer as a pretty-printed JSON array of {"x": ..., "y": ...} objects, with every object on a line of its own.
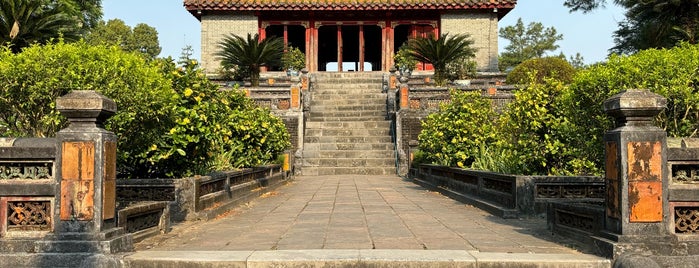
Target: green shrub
[
  {"x": 535, "y": 130},
  {"x": 672, "y": 73},
  {"x": 452, "y": 136},
  {"x": 549, "y": 67},
  {"x": 213, "y": 129},
  {"x": 34, "y": 78},
  {"x": 170, "y": 120}
]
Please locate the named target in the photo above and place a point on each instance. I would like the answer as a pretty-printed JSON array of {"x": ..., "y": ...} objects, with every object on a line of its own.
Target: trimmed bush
[
  {"x": 170, "y": 121},
  {"x": 34, "y": 78},
  {"x": 539, "y": 68},
  {"x": 452, "y": 136},
  {"x": 672, "y": 73}
]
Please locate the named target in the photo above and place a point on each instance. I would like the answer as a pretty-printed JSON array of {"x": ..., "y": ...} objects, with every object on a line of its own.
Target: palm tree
[
  {"x": 441, "y": 51},
  {"x": 250, "y": 54},
  {"x": 24, "y": 22}
]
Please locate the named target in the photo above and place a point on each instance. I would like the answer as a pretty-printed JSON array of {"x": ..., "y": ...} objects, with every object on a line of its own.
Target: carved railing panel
[
  {"x": 143, "y": 193},
  {"x": 498, "y": 185},
  {"x": 581, "y": 222},
  {"x": 26, "y": 171},
  {"x": 34, "y": 215},
  {"x": 144, "y": 221},
  {"x": 569, "y": 191},
  {"x": 686, "y": 220},
  {"x": 212, "y": 187},
  {"x": 685, "y": 173}
]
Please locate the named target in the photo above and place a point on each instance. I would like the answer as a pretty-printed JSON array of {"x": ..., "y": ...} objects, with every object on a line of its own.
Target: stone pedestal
[
  {"x": 86, "y": 175},
  {"x": 635, "y": 174}
]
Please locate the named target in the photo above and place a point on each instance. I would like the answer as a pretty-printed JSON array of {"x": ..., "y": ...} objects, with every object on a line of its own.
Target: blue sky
[{"x": 589, "y": 34}]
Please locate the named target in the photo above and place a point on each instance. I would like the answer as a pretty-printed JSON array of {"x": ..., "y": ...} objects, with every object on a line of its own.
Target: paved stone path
[{"x": 359, "y": 212}]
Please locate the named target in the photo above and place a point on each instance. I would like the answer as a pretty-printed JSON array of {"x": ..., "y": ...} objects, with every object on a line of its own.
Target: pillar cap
[
  {"x": 86, "y": 106},
  {"x": 634, "y": 106}
]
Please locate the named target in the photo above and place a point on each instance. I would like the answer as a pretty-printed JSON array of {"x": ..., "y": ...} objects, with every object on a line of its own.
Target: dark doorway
[
  {"x": 359, "y": 48},
  {"x": 293, "y": 35},
  {"x": 403, "y": 33},
  {"x": 327, "y": 46},
  {"x": 372, "y": 47}
]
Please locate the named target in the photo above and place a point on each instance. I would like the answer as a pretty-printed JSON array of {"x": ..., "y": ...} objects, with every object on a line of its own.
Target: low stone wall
[
  {"x": 508, "y": 196},
  {"x": 27, "y": 187},
  {"x": 201, "y": 197}
]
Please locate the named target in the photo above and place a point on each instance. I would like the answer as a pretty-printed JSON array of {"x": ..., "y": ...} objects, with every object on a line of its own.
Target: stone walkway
[{"x": 359, "y": 212}]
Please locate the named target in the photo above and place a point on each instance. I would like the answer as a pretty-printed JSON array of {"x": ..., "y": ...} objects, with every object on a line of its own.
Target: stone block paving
[{"x": 360, "y": 212}]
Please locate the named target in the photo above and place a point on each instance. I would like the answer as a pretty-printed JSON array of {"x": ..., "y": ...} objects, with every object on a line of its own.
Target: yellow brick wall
[
  {"x": 213, "y": 30},
  {"x": 483, "y": 28}
]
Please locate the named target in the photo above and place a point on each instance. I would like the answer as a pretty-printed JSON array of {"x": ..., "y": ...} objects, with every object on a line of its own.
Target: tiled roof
[{"x": 193, "y": 5}]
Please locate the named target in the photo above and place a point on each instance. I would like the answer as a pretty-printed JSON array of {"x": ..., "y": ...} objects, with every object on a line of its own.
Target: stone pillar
[
  {"x": 635, "y": 174},
  {"x": 295, "y": 92},
  {"x": 86, "y": 172},
  {"x": 404, "y": 99},
  {"x": 304, "y": 79},
  {"x": 393, "y": 79}
]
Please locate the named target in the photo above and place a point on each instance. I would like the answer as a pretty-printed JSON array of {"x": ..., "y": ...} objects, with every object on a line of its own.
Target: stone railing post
[
  {"x": 393, "y": 79},
  {"x": 304, "y": 79},
  {"x": 295, "y": 91},
  {"x": 86, "y": 172},
  {"x": 403, "y": 92},
  {"x": 635, "y": 174}
]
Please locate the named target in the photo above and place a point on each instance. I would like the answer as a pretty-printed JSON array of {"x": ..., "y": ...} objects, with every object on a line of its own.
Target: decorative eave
[{"x": 197, "y": 7}]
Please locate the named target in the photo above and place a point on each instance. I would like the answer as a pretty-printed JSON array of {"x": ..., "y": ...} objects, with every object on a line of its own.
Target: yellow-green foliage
[
  {"x": 452, "y": 136},
  {"x": 540, "y": 68},
  {"x": 170, "y": 120}
]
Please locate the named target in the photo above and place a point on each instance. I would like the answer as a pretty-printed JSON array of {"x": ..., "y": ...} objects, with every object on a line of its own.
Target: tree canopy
[
  {"x": 649, "y": 23},
  {"x": 532, "y": 41},
  {"x": 24, "y": 22},
  {"x": 142, "y": 38}
]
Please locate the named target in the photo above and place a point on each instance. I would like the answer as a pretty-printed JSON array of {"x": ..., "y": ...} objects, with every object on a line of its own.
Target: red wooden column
[
  {"x": 361, "y": 48},
  {"x": 339, "y": 48},
  {"x": 309, "y": 47},
  {"x": 387, "y": 46},
  {"x": 286, "y": 36},
  {"x": 262, "y": 34}
]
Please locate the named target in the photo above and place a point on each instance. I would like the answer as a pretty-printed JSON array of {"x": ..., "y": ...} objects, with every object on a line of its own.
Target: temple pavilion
[{"x": 350, "y": 35}]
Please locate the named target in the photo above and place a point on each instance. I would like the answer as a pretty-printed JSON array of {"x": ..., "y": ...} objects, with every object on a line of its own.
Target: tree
[
  {"x": 142, "y": 38},
  {"x": 528, "y": 42},
  {"x": 650, "y": 23},
  {"x": 23, "y": 22},
  {"x": 441, "y": 51},
  {"x": 250, "y": 54}
]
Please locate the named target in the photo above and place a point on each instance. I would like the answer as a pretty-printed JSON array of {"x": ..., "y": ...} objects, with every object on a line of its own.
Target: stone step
[
  {"x": 348, "y": 146},
  {"x": 344, "y": 101},
  {"x": 57, "y": 260},
  {"x": 341, "y": 108},
  {"x": 313, "y": 171},
  {"x": 337, "y": 132},
  {"x": 328, "y": 139},
  {"x": 368, "y": 96},
  {"x": 346, "y": 91},
  {"x": 345, "y": 114},
  {"x": 360, "y": 258},
  {"x": 383, "y": 124},
  {"x": 347, "y": 119},
  {"x": 349, "y": 162},
  {"x": 347, "y": 86},
  {"x": 348, "y": 154}
]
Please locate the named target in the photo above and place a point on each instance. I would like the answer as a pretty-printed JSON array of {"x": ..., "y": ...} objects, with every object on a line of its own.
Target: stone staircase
[{"x": 347, "y": 131}]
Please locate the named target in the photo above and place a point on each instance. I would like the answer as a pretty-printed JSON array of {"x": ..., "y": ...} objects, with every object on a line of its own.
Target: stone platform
[{"x": 360, "y": 221}]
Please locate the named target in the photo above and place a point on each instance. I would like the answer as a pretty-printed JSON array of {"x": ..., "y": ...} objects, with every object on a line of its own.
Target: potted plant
[
  {"x": 404, "y": 61},
  {"x": 249, "y": 54},
  {"x": 461, "y": 70},
  {"x": 440, "y": 51},
  {"x": 293, "y": 61}
]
